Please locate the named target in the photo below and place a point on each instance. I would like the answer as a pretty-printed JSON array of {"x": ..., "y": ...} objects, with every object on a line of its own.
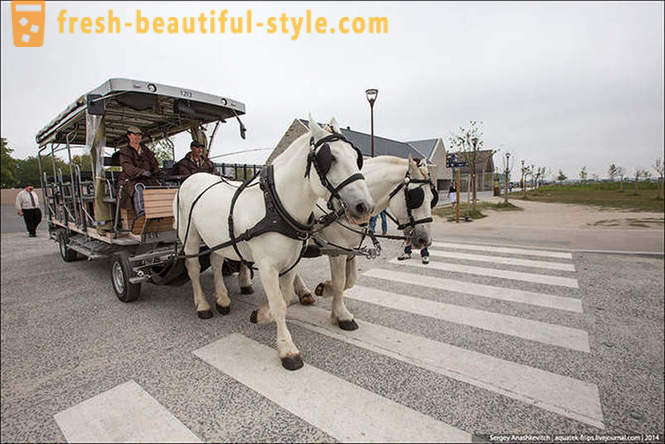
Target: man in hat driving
[
  {"x": 139, "y": 166},
  {"x": 195, "y": 161}
]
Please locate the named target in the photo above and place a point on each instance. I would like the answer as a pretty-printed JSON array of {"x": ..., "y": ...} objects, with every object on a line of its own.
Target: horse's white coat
[
  {"x": 383, "y": 174},
  {"x": 271, "y": 252}
]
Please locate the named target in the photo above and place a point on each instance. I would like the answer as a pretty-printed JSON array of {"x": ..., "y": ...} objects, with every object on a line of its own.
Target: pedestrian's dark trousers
[
  {"x": 32, "y": 217},
  {"x": 424, "y": 252}
]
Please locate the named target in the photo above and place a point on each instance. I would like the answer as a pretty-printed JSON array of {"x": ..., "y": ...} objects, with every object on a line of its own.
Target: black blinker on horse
[
  {"x": 321, "y": 157},
  {"x": 414, "y": 199}
]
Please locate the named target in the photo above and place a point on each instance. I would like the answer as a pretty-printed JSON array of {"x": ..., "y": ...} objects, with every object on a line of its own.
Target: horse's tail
[{"x": 177, "y": 212}]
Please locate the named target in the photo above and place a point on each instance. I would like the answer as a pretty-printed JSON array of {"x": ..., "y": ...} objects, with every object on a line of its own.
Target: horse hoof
[
  {"x": 292, "y": 362},
  {"x": 205, "y": 314},
  {"x": 223, "y": 310},
  {"x": 319, "y": 289},
  {"x": 253, "y": 317},
  {"x": 246, "y": 290},
  {"x": 307, "y": 299},
  {"x": 348, "y": 325}
]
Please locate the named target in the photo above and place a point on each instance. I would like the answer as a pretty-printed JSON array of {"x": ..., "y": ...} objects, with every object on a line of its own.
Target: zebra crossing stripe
[
  {"x": 503, "y": 260},
  {"x": 559, "y": 394},
  {"x": 494, "y": 272},
  {"x": 561, "y": 336},
  {"x": 126, "y": 413},
  {"x": 333, "y": 405},
  {"x": 485, "y": 291},
  {"x": 491, "y": 249}
]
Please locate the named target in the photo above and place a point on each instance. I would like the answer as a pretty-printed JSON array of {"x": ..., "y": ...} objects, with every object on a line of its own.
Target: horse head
[
  {"x": 333, "y": 166},
  {"x": 412, "y": 204}
]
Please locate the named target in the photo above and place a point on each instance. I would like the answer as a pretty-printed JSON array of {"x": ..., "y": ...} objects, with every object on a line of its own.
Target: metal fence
[{"x": 238, "y": 171}]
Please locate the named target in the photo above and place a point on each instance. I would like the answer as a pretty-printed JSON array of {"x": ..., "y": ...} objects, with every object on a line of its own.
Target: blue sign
[{"x": 452, "y": 161}]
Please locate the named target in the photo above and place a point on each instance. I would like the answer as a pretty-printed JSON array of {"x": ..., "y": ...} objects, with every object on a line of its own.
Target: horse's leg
[
  {"x": 262, "y": 314},
  {"x": 245, "y": 280},
  {"x": 286, "y": 349},
  {"x": 304, "y": 294},
  {"x": 194, "y": 271},
  {"x": 339, "y": 314},
  {"x": 286, "y": 285},
  {"x": 351, "y": 272},
  {"x": 222, "y": 301}
]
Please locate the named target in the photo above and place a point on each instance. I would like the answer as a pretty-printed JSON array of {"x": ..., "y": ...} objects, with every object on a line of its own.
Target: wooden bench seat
[{"x": 159, "y": 202}]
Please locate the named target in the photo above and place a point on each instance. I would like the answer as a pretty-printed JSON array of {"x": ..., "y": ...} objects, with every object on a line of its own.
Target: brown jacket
[
  {"x": 133, "y": 165},
  {"x": 186, "y": 166}
]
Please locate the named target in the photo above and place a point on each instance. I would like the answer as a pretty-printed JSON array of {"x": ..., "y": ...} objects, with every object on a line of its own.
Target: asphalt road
[
  {"x": 11, "y": 221},
  {"x": 462, "y": 348}
]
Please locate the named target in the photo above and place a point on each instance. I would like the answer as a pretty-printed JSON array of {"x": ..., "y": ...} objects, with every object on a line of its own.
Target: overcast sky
[{"x": 561, "y": 85}]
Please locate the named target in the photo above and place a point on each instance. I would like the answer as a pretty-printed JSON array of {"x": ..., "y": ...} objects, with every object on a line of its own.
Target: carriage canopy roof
[{"x": 158, "y": 110}]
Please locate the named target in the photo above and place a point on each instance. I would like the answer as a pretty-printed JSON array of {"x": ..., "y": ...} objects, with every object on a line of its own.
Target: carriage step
[{"x": 91, "y": 248}]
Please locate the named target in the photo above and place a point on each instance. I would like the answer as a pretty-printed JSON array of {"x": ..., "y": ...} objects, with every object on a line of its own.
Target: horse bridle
[
  {"x": 414, "y": 199},
  {"x": 321, "y": 157}
]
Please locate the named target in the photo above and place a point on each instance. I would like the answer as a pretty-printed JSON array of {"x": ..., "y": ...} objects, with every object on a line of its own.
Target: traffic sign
[{"x": 452, "y": 161}]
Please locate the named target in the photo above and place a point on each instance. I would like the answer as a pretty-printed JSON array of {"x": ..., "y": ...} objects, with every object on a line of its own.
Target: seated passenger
[
  {"x": 139, "y": 165},
  {"x": 195, "y": 162}
]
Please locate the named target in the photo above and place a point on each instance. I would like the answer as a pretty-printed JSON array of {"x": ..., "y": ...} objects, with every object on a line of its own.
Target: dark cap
[{"x": 195, "y": 143}]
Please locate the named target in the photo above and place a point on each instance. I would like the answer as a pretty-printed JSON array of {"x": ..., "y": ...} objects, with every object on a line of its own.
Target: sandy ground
[
  {"x": 566, "y": 226},
  {"x": 558, "y": 215}
]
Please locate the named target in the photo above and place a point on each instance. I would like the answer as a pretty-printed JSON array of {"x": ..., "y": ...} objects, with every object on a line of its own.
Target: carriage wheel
[
  {"x": 121, "y": 271},
  {"x": 66, "y": 253}
]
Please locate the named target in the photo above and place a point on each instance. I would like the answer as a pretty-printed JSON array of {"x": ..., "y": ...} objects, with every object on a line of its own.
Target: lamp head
[{"x": 371, "y": 95}]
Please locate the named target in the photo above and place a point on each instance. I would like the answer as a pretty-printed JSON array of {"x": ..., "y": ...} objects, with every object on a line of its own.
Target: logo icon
[{"x": 28, "y": 23}]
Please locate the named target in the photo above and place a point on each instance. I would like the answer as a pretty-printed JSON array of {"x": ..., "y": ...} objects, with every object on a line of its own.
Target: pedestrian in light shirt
[{"x": 27, "y": 205}]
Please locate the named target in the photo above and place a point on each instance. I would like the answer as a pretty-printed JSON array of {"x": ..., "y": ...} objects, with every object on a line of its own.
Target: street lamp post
[
  {"x": 371, "y": 98},
  {"x": 505, "y": 181}
]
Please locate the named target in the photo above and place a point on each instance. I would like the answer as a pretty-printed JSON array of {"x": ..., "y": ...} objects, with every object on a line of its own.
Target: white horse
[
  {"x": 299, "y": 186},
  {"x": 383, "y": 175}
]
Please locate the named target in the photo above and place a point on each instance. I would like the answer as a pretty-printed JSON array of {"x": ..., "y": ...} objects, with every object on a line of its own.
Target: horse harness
[
  {"x": 321, "y": 157},
  {"x": 277, "y": 219},
  {"x": 414, "y": 199}
]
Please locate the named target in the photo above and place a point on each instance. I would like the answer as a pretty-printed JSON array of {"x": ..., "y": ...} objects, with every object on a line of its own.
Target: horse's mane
[
  {"x": 422, "y": 165},
  {"x": 287, "y": 154}
]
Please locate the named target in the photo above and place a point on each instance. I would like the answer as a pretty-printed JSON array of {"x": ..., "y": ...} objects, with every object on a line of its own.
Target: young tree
[
  {"x": 659, "y": 166},
  {"x": 8, "y": 164},
  {"x": 468, "y": 142},
  {"x": 540, "y": 175},
  {"x": 621, "y": 172},
  {"x": 583, "y": 174},
  {"x": 561, "y": 177},
  {"x": 612, "y": 172},
  {"x": 83, "y": 161},
  {"x": 525, "y": 175},
  {"x": 507, "y": 168},
  {"x": 163, "y": 150},
  {"x": 638, "y": 174}
]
